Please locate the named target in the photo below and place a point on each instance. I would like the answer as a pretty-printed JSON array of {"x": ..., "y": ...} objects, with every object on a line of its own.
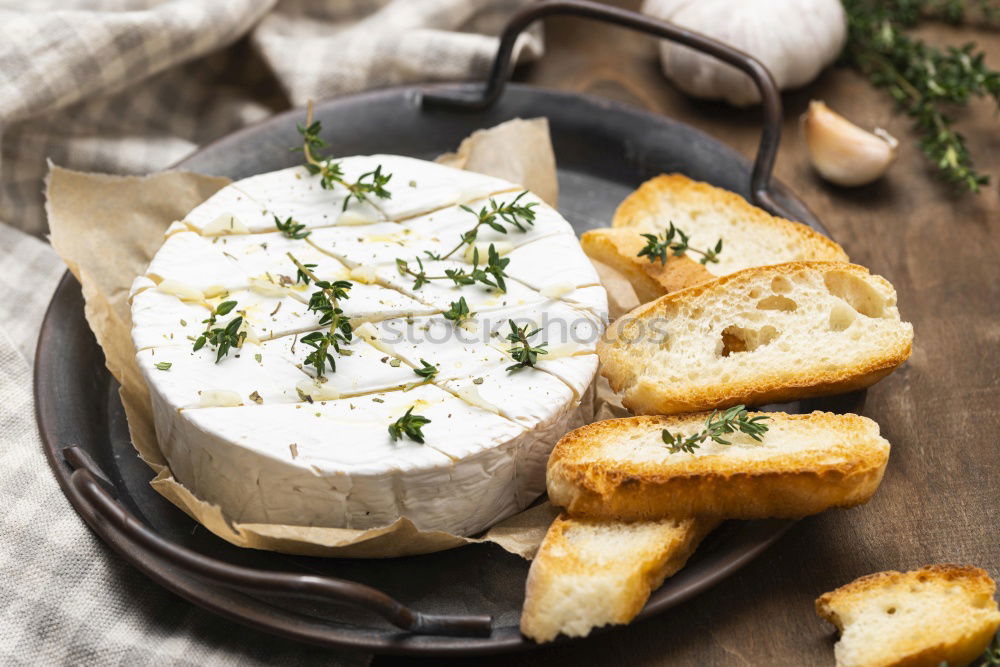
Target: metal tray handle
[
  {"x": 93, "y": 486},
  {"x": 480, "y": 97}
]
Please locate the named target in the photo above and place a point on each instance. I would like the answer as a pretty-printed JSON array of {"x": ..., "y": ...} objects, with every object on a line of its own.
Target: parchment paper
[{"x": 107, "y": 229}]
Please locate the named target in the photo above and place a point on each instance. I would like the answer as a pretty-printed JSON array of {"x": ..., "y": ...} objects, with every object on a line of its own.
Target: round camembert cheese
[{"x": 262, "y": 437}]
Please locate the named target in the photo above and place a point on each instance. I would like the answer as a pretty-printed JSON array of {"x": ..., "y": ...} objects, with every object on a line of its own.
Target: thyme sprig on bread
[
  {"x": 675, "y": 242},
  {"x": 733, "y": 420}
]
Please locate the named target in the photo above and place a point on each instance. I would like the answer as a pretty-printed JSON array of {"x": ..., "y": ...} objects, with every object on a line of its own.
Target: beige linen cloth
[{"x": 131, "y": 86}]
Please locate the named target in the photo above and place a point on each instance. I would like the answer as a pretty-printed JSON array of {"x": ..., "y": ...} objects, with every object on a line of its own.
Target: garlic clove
[{"x": 842, "y": 152}]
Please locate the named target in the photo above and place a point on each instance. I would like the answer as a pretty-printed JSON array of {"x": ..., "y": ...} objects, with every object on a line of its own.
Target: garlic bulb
[
  {"x": 842, "y": 152},
  {"x": 795, "y": 39}
]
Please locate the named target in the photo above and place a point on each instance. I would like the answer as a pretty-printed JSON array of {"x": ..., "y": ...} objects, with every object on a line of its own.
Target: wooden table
[{"x": 940, "y": 499}]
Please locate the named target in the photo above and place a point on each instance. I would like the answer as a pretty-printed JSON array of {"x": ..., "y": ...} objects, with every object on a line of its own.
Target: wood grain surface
[{"x": 940, "y": 499}]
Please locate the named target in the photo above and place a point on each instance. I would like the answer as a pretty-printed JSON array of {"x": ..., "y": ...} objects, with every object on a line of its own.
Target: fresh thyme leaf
[
  {"x": 224, "y": 308},
  {"x": 458, "y": 312},
  {"x": 519, "y": 216},
  {"x": 427, "y": 370},
  {"x": 522, "y": 351},
  {"x": 409, "y": 425},
  {"x": 658, "y": 247},
  {"x": 923, "y": 80},
  {"x": 163, "y": 365},
  {"x": 331, "y": 173},
  {"x": 718, "y": 424},
  {"x": 291, "y": 229},
  {"x": 222, "y": 339}
]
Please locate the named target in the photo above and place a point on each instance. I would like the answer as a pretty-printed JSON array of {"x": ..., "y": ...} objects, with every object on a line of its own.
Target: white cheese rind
[
  {"x": 268, "y": 443},
  {"x": 243, "y": 460}
]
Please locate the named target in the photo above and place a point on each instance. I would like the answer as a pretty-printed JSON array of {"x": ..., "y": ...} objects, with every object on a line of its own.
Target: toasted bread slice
[
  {"x": 593, "y": 573},
  {"x": 751, "y": 236},
  {"x": 621, "y": 469},
  {"x": 769, "y": 334},
  {"x": 619, "y": 249},
  {"x": 941, "y": 614}
]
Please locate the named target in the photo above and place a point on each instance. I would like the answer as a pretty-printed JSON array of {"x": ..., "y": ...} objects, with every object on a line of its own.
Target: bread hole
[
  {"x": 781, "y": 285},
  {"x": 841, "y": 316},
  {"x": 777, "y": 302},
  {"x": 859, "y": 294},
  {"x": 755, "y": 293},
  {"x": 743, "y": 339},
  {"x": 890, "y": 611}
]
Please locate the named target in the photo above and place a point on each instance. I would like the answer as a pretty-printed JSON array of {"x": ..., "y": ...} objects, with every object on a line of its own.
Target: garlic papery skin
[
  {"x": 794, "y": 39},
  {"x": 842, "y": 152}
]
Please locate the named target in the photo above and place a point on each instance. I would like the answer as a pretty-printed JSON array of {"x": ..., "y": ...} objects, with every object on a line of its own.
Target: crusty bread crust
[
  {"x": 919, "y": 647},
  {"x": 619, "y": 249},
  {"x": 659, "y": 197},
  {"x": 570, "y": 589},
  {"x": 620, "y": 358},
  {"x": 588, "y": 483}
]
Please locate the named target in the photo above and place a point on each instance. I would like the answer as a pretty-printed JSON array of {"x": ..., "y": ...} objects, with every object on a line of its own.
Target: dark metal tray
[{"x": 464, "y": 601}]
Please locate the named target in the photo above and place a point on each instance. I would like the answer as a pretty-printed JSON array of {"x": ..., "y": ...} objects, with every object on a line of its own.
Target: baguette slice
[
  {"x": 750, "y": 235},
  {"x": 763, "y": 335},
  {"x": 619, "y": 249},
  {"x": 592, "y": 573},
  {"x": 620, "y": 469},
  {"x": 931, "y": 616}
]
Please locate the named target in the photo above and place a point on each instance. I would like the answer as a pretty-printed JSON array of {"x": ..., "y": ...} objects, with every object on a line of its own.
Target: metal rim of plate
[{"x": 604, "y": 150}]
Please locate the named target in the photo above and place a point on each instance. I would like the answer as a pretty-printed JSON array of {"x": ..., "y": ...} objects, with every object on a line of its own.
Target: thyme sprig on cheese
[
  {"x": 291, "y": 229},
  {"x": 330, "y": 172},
  {"x": 734, "y": 419},
  {"x": 675, "y": 242},
  {"x": 491, "y": 274},
  {"x": 522, "y": 351},
  {"x": 409, "y": 425},
  {"x": 222, "y": 339},
  {"x": 427, "y": 371},
  {"x": 325, "y": 303},
  {"x": 519, "y": 216},
  {"x": 458, "y": 312}
]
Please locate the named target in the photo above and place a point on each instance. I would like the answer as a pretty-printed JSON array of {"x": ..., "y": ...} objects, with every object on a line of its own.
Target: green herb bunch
[{"x": 924, "y": 80}]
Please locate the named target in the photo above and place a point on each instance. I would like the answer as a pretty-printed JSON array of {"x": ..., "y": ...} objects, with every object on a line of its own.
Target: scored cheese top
[{"x": 258, "y": 434}]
